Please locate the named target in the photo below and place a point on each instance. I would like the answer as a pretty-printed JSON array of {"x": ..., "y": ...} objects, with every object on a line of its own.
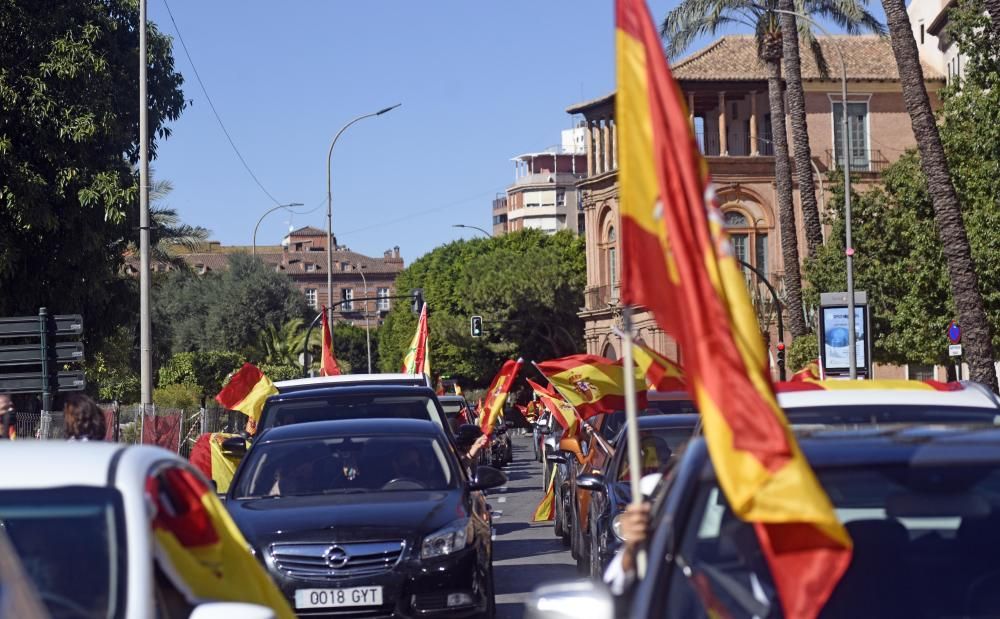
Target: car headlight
[
  {"x": 616, "y": 526},
  {"x": 452, "y": 538}
]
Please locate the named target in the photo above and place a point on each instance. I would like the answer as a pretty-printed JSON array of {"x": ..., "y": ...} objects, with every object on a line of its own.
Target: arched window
[
  {"x": 612, "y": 252},
  {"x": 749, "y": 242},
  {"x": 610, "y": 352}
]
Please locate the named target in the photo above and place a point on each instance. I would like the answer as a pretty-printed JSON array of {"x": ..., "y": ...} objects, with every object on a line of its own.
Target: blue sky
[{"x": 479, "y": 82}]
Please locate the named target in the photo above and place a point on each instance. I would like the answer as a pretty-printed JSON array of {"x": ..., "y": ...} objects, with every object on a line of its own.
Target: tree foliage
[
  {"x": 528, "y": 287},
  {"x": 68, "y": 141},
  {"x": 899, "y": 259},
  {"x": 204, "y": 371},
  {"x": 224, "y": 310}
]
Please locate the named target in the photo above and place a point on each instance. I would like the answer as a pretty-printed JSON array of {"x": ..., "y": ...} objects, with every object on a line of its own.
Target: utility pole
[{"x": 145, "y": 327}]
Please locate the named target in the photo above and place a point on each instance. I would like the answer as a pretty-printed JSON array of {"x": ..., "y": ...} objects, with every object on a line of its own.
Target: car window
[
  {"x": 925, "y": 545},
  {"x": 344, "y": 466},
  {"x": 656, "y": 449},
  {"x": 365, "y": 406},
  {"x": 872, "y": 414},
  {"x": 71, "y": 544},
  {"x": 452, "y": 407}
]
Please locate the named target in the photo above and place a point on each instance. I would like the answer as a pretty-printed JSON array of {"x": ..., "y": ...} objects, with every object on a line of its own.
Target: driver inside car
[{"x": 304, "y": 472}]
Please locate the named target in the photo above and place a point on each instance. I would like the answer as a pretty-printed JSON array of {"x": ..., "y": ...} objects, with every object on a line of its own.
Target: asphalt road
[{"x": 525, "y": 554}]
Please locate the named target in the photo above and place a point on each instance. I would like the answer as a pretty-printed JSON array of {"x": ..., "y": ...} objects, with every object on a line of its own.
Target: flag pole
[{"x": 632, "y": 424}]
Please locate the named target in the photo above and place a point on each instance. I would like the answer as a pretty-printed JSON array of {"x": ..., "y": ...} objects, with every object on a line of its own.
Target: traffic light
[
  {"x": 477, "y": 326},
  {"x": 418, "y": 299},
  {"x": 781, "y": 356}
]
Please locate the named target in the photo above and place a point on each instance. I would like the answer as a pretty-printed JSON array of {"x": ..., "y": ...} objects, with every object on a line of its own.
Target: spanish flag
[
  {"x": 246, "y": 392},
  {"x": 497, "y": 395},
  {"x": 561, "y": 410},
  {"x": 328, "y": 363},
  {"x": 591, "y": 384},
  {"x": 207, "y": 457},
  {"x": 199, "y": 547},
  {"x": 661, "y": 373},
  {"x": 678, "y": 262},
  {"x": 417, "y": 357},
  {"x": 546, "y": 508}
]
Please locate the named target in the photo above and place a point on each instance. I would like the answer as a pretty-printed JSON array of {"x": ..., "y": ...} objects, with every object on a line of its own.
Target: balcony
[
  {"x": 738, "y": 145},
  {"x": 862, "y": 160},
  {"x": 601, "y": 297}
]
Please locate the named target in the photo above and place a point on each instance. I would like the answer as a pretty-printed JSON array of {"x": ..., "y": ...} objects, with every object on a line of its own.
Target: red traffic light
[{"x": 781, "y": 346}]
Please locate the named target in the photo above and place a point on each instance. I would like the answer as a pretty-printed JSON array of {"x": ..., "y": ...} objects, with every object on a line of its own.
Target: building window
[
  {"x": 921, "y": 38},
  {"x": 560, "y": 197},
  {"x": 857, "y": 124},
  {"x": 920, "y": 371},
  {"x": 767, "y": 143},
  {"x": 745, "y": 236},
  {"x": 310, "y": 267},
  {"x": 383, "y": 299},
  {"x": 347, "y": 300},
  {"x": 311, "y": 297}
]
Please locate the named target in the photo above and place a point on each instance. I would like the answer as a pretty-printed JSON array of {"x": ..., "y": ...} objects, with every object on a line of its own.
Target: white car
[
  {"x": 81, "y": 521},
  {"x": 833, "y": 402},
  {"x": 352, "y": 380}
]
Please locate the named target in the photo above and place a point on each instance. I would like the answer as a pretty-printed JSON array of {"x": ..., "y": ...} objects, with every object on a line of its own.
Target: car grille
[{"x": 329, "y": 561}]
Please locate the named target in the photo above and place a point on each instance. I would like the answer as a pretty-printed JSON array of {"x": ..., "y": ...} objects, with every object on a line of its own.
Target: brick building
[{"x": 726, "y": 91}]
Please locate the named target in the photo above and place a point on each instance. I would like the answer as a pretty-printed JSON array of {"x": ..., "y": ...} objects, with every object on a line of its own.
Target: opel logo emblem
[{"x": 336, "y": 557}]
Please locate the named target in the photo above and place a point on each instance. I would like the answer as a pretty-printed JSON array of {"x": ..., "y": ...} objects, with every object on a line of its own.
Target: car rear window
[
  {"x": 343, "y": 407},
  {"x": 883, "y": 414}
]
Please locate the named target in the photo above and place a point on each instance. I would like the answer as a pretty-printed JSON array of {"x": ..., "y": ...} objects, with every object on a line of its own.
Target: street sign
[
  {"x": 27, "y": 326},
  {"x": 66, "y": 352},
  {"x": 954, "y": 332},
  {"x": 32, "y": 382},
  {"x": 955, "y": 350}
]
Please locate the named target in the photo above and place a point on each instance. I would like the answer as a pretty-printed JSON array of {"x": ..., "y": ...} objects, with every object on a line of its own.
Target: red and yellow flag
[
  {"x": 677, "y": 261},
  {"x": 418, "y": 359},
  {"x": 199, "y": 547},
  {"x": 497, "y": 395},
  {"x": 561, "y": 410},
  {"x": 661, "y": 373},
  {"x": 592, "y": 384},
  {"x": 328, "y": 364},
  {"x": 207, "y": 457},
  {"x": 246, "y": 392},
  {"x": 546, "y": 508}
]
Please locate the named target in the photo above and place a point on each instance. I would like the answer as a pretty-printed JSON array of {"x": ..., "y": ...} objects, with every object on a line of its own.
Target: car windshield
[
  {"x": 343, "y": 466},
  {"x": 926, "y": 542},
  {"x": 879, "y": 414},
  {"x": 452, "y": 407},
  {"x": 671, "y": 407},
  {"x": 657, "y": 448},
  {"x": 341, "y": 407},
  {"x": 71, "y": 544}
]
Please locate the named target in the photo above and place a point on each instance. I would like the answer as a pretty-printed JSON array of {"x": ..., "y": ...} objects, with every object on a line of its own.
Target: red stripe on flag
[{"x": 240, "y": 386}]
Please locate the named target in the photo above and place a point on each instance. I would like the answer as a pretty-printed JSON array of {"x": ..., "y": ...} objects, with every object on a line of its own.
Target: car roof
[
  {"x": 902, "y": 444},
  {"x": 343, "y": 380},
  {"x": 73, "y": 463},
  {"x": 370, "y": 389},
  {"x": 350, "y": 427},
  {"x": 894, "y": 393},
  {"x": 676, "y": 420},
  {"x": 665, "y": 396}
]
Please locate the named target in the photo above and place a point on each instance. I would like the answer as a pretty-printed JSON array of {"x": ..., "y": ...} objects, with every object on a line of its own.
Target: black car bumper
[{"x": 454, "y": 586}]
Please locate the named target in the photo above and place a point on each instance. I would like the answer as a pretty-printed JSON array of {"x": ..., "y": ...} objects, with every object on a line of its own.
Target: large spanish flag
[
  {"x": 199, "y": 547},
  {"x": 592, "y": 384},
  {"x": 497, "y": 395},
  {"x": 328, "y": 362},
  {"x": 418, "y": 358},
  {"x": 246, "y": 392},
  {"x": 677, "y": 261},
  {"x": 661, "y": 373},
  {"x": 207, "y": 457}
]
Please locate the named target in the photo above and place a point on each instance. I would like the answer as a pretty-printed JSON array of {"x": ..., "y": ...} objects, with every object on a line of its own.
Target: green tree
[
  {"x": 350, "y": 348},
  {"x": 204, "y": 371},
  {"x": 168, "y": 233},
  {"x": 944, "y": 197},
  {"x": 528, "y": 287},
  {"x": 284, "y": 343},
  {"x": 68, "y": 143}
]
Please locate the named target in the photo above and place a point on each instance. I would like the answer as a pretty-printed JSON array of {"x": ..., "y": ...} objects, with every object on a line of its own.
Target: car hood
[{"x": 400, "y": 514}]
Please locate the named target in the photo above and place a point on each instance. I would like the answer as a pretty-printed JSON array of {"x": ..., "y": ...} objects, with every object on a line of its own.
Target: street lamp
[
  {"x": 329, "y": 199},
  {"x": 473, "y": 228},
  {"x": 852, "y": 352},
  {"x": 368, "y": 337},
  {"x": 266, "y": 213}
]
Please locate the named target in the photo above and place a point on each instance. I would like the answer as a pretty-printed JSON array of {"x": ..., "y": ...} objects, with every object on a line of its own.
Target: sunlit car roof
[
  {"x": 887, "y": 392},
  {"x": 344, "y": 380}
]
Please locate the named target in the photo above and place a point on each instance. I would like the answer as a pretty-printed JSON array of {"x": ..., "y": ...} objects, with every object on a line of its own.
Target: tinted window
[
  {"x": 366, "y": 406},
  {"x": 345, "y": 465},
  {"x": 836, "y": 415},
  {"x": 926, "y": 542},
  {"x": 70, "y": 542},
  {"x": 656, "y": 448},
  {"x": 686, "y": 407},
  {"x": 452, "y": 407}
]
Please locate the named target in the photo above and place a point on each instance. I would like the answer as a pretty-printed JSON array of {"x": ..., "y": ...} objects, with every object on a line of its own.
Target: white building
[{"x": 928, "y": 19}]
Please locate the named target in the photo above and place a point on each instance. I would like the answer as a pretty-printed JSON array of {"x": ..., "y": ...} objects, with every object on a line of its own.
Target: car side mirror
[
  {"x": 224, "y": 610},
  {"x": 487, "y": 477},
  {"x": 544, "y": 429},
  {"x": 557, "y": 458},
  {"x": 569, "y": 600},
  {"x": 235, "y": 446},
  {"x": 591, "y": 481}
]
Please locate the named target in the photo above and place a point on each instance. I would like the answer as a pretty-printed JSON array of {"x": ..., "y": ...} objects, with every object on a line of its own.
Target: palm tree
[
  {"x": 167, "y": 233},
  {"x": 282, "y": 345},
  {"x": 852, "y": 17},
  {"x": 693, "y": 18},
  {"x": 977, "y": 340}
]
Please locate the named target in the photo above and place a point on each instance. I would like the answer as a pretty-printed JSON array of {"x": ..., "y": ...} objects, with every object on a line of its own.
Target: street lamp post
[
  {"x": 368, "y": 337},
  {"x": 145, "y": 323},
  {"x": 266, "y": 213},
  {"x": 852, "y": 352},
  {"x": 473, "y": 228},
  {"x": 329, "y": 199}
]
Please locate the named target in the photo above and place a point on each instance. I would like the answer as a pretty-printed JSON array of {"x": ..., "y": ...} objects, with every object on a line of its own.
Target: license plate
[{"x": 338, "y": 598}]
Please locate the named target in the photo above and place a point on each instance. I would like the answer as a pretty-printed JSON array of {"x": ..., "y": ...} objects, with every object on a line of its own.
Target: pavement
[{"x": 525, "y": 554}]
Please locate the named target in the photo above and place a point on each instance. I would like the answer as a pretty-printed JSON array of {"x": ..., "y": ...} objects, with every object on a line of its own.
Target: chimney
[{"x": 395, "y": 252}]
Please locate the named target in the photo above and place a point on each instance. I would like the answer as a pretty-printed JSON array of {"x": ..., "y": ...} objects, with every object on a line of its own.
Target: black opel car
[{"x": 368, "y": 518}]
